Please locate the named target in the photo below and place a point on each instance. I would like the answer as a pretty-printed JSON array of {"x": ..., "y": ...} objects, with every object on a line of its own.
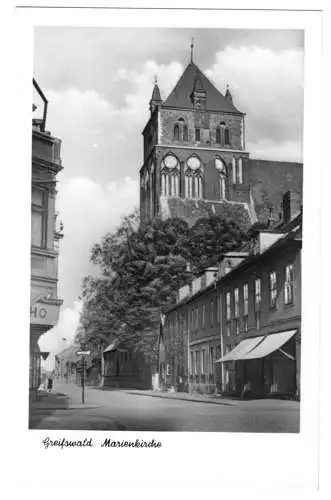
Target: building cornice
[
  {"x": 194, "y": 110},
  {"x": 50, "y": 165},
  {"x": 195, "y": 148},
  {"x": 44, "y": 279},
  {"x": 43, "y": 252},
  {"x": 205, "y": 339}
]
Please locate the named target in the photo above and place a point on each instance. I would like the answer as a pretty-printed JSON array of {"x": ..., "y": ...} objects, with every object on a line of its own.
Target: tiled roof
[
  {"x": 181, "y": 94},
  {"x": 192, "y": 210},
  {"x": 270, "y": 180}
]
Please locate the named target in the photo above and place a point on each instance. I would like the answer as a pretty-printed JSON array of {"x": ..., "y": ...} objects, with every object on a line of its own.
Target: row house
[{"x": 236, "y": 329}]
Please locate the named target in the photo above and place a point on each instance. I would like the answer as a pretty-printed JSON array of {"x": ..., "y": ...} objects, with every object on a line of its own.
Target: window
[
  {"x": 234, "y": 175},
  {"x": 228, "y": 306},
  {"x": 245, "y": 324},
  {"x": 289, "y": 284},
  {"x": 197, "y": 135},
  {"x": 240, "y": 171},
  {"x": 176, "y": 132},
  {"x": 185, "y": 133},
  {"x": 203, "y": 314},
  {"x": 218, "y": 135},
  {"x": 211, "y": 359},
  {"x": 222, "y": 187},
  {"x": 203, "y": 360},
  {"x": 38, "y": 217},
  {"x": 237, "y": 326},
  {"x": 196, "y": 365},
  {"x": 212, "y": 312},
  {"x": 258, "y": 319},
  {"x": 197, "y": 317},
  {"x": 236, "y": 302},
  {"x": 226, "y": 136},
  {"x": 217, "y": 309},
  {"x": 192, "y": 363},
  {"x": 273, "y": 288},
  {"x": 245, "y": 289},
  {"x": 257, "y": 294},
  {"x": 228, "y": 329}
]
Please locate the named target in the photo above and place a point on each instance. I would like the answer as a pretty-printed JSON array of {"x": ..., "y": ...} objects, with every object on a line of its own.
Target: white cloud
[
  {"x": 268, "y": 86},
  {"x": 63, "y": 334}
]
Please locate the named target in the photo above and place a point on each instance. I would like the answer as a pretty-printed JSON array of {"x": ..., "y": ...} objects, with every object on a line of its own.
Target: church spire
[
  {"x": 228, "y": 94},
  {"x": 156, "y": 96}
]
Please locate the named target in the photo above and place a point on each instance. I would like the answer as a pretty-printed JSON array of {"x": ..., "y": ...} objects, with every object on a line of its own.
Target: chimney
[{"x": 291, "y": 206}]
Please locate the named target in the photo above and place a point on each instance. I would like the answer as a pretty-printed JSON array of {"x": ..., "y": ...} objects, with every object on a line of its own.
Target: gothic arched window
[
  {"x": 170, "y": 176},
  {"x": 176, "y": 132},
  {"x": 193, "y": 178},
  {"x": 185, "y": 133},
  {"x": 218, "y": 135},
  {"x": 234, "y": 172},
  {"x": 221, "y": 168},
  {"x": 226, "y": 136},
  {"x": 240, "y": 171}
]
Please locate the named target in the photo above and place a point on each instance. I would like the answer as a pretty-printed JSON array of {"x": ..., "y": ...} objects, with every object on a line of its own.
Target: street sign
[
  {"x": 83, "y": 353},
  {"x": 44, "y": 355}
]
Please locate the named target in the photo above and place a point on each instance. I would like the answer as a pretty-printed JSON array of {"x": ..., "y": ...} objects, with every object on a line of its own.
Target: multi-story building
[
  {"x": 45, "y": 304},
  {"x": 196, "y": 163},
  {"x": 238, "y": 328}
]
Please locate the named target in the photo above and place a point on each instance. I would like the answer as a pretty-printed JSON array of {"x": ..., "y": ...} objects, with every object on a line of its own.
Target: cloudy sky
[{"x": 98, "y": 82}]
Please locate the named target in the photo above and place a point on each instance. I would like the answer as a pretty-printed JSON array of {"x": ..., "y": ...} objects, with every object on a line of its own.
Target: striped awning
[{"x": 244, "y": 347}]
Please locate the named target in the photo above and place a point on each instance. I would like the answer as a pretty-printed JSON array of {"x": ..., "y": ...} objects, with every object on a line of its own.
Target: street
[{"x": 122, "y": 410}]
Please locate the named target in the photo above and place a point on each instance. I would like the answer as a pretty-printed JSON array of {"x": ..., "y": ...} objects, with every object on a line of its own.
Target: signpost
[{"x": 83, "y": 354}]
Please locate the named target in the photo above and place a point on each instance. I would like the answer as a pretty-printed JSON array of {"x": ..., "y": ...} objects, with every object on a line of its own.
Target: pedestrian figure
[{"x": 49, "y": 384}]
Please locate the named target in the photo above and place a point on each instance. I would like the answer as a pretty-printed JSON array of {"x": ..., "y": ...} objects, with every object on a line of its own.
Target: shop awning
[
  {"x": 244, "y": 347},
  {"x": 270, "y": 344}
]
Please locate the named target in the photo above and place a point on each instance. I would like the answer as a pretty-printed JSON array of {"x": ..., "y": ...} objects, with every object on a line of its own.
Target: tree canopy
[{"x": 142, "y": 267}]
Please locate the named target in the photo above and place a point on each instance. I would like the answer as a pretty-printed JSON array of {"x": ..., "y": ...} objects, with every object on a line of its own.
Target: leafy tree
[{"x": 142, "y": 268}]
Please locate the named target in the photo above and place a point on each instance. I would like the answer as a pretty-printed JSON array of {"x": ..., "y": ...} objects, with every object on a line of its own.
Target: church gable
[{"x": 194, "y": 85}]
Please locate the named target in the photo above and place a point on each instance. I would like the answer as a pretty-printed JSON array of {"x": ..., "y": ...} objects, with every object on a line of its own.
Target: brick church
[{"x": 196, "y": 163}]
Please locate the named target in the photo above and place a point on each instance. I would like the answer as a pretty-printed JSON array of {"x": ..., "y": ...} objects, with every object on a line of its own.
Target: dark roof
[
  {"x": 270, "y": 180},
  {"x": 181, "y": 95},
  {"x": 292, "y": 238},
  {"x": 156, "y": 96},
  {"x": 192, "y": 210}
]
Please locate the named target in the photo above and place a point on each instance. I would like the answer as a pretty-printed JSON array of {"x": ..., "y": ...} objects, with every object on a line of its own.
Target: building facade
[
  {"x": 241, "y": 333},
  {"x": 44, "y": 302},
  {"x": 196, "y": 163}
]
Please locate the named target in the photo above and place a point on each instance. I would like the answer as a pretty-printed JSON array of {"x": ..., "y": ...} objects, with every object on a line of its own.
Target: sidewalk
[
  {"x": 219, "y": 400},
  {"x": 184, "y": 396},
  {"x": 55, "y": 400}
]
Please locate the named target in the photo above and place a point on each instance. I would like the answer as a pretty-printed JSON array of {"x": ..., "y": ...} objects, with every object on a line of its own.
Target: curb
[{"x": 181, "y": 399}]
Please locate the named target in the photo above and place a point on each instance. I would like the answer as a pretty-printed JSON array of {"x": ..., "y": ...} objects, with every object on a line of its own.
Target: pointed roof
[
  {"x": 181, "y": 95},
  {"x": 156, "y": 96}
]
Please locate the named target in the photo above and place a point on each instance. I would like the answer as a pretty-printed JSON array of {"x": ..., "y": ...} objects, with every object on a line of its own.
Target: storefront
[
  {"x": 265, "y": 365},
  {"x": 43, "y": 316}
]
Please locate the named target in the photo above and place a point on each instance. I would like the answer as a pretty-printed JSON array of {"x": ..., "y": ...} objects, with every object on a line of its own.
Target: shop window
[
  {"x": 273, "y": 288},
  {"x": 203, "y": 361},
  {"x": 38, "y": 217},
  {"x": 258, "y": 294},
  {"x": 289, "y": 285},
  {"x": 245, "y": 290},
  {"x": 228, "y": 306},
  {"x": 236, "y": 302}
]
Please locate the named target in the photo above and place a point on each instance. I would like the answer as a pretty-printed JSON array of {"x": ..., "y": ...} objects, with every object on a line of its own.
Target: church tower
[{"x": 195, "y": 161}]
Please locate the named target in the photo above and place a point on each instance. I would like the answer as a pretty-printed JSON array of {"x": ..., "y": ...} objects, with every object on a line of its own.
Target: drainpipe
[{"x": 222, "y": 345}]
